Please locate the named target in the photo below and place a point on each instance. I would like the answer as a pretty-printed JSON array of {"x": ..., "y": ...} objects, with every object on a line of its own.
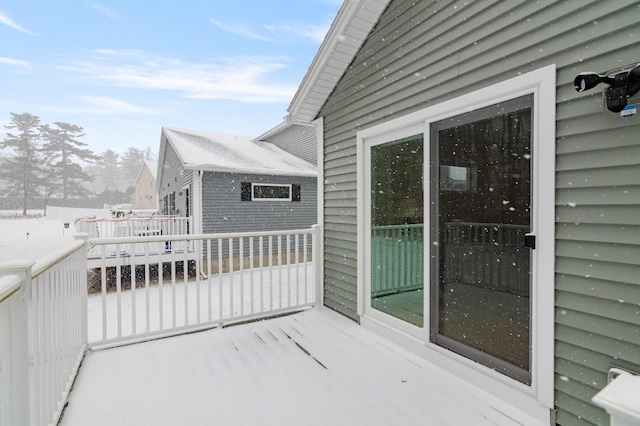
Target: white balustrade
[
  {"x": 155, "y": 286},
  {"x": 151, "y": 285},
  {"x": 44, "y": 322}
]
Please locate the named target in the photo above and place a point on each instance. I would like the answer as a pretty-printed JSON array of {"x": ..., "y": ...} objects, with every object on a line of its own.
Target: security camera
[{"x": 619, "y": 87}]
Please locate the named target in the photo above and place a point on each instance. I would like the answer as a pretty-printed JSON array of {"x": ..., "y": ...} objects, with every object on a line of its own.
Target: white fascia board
[
  {"x": 250, "y": 170},
  {"x": 355, "y": 20}
]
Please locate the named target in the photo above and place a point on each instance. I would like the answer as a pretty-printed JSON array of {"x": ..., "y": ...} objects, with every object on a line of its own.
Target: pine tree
[
  {"x": 62, "y": 150},
  {"x": 132, "y": 160},
  {"x": 23, "y": 169},
  {"x": 108, "y": 170}
]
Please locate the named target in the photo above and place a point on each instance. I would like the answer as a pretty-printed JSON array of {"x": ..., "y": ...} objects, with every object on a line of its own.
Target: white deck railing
[
  {"x": 134, "y": 226},
  {"x": 47, "y": 322},
  {"x": 221, "y": 278},
  {"x": 43, "y": 334}
]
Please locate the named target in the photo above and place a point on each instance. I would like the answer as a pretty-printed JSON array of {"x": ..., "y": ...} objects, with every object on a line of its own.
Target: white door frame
[{"x": 536, "y": 398}]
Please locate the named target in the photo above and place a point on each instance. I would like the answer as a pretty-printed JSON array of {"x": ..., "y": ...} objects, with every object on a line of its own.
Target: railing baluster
[
  {"x": 289, "y": 270},
  {"x": 220, "y": 292},
  {"x": 173, "y": 284},
  {"x": 280, "y": 295},
  {"x": 306, "y": 264},
  {"x": 241, "y": 258},
  {"x": 146, "y": 290},
  {"x": 198, "y": 270},
  {"x": 132, "y": 271},
  {"x": 119, "y": 289},
  {"x": 185, "y": 282},
  {"x": 210, "y": 294},
  {"x": 261, "y": 274},
  {"x": 251, "y": 270},
  {"x": 103, "y": 289},
  {"x": 270, "y": 272},
  {"x": 297, "y": 265},
  {"x": 231, "y": 289}
]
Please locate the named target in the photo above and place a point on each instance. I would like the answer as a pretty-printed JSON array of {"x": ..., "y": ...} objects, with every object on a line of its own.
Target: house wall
[
  {"x": 146, "y": 196},
  {"x": 223, "y": 210},
  {"x": 298, "y": 140},
  {"x": 173, "y": 181},
  {"x": 422, "y": 53}
]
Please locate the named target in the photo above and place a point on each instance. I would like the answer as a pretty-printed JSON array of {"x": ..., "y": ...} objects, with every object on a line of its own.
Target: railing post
[
  {"x": 316, "y": 255},
  {"x": 18, "y": 367},
  {"x": 621, "y": 399}
]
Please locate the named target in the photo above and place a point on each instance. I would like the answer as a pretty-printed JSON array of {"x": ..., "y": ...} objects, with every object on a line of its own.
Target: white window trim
[
  {"x": 253, "y": 185},
  {"x": 538, "y": 398}
]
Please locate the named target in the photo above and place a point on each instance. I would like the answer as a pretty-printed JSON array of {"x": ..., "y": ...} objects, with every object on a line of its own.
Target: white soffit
[{"x": 349, "y": 30}]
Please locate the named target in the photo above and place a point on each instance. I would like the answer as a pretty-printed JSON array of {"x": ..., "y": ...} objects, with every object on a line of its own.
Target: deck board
[{"x": 314, "y": 368}]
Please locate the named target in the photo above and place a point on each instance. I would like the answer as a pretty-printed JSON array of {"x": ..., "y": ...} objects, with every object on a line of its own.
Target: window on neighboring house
[
  {"x": 269, "y": 192},
  {"x": 172, "y": 203}
]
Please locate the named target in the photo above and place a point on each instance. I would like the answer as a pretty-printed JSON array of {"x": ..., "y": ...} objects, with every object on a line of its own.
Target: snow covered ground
[{"x": 32, "y": 237}]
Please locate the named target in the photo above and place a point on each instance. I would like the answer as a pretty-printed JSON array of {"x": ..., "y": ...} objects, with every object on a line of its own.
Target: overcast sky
[{"x": 122, "y": 69}]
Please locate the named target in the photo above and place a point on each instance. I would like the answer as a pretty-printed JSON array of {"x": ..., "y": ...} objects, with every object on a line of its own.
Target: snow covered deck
[{"x": 314, "y": 368}]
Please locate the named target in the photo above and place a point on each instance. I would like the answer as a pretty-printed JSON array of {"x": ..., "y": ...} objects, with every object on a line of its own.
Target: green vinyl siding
[{"x": 422, "y": 53}]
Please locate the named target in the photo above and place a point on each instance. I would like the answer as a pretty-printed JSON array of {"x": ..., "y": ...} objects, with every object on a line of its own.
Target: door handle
[{"x": 530, "y": 241}]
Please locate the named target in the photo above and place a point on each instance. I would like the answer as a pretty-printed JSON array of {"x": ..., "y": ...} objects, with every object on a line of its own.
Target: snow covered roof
[
  {"x": 153, "y": 167},
  {"x": 219, "y": 152}
]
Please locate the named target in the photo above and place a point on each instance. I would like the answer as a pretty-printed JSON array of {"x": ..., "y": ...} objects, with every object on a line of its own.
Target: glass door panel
[
  {"x": 481, "y": 204},
  {"x": 397, "y": 230}
]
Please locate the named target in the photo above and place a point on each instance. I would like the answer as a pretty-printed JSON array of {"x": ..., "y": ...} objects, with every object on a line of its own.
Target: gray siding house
[
  {"x": 476, "y": 208},
  {"x": 230, "y": 183}
]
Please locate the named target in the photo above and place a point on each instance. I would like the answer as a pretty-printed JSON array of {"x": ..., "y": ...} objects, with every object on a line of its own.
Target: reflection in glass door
[
  {"x": 481, "y": 204},
  {"x": 397, "y": 230}
]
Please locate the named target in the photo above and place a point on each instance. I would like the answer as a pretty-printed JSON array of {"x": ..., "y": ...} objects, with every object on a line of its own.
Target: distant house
[
  {"x": 146, "y": 195},
  {"x": 476, "y": 209},
  {"x": 231, "y": 183}
]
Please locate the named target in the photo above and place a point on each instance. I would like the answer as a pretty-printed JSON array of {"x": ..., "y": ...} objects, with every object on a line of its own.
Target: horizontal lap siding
[
  {"x": 174, "y": 179},
  {"x": 223, "y": 210},
  {"x": 298, "y": 140},
  {"x": 422, "y": 53}
]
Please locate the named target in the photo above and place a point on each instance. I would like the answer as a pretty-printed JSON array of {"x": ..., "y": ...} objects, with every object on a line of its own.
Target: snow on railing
[
  {"x": 136, "y": 226},
  {"x": 197, "y": 282},
  {"x": 44, "y": 321}
]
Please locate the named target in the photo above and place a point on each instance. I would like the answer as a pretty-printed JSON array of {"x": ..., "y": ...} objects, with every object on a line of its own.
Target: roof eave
[
  {"x": 366, "y": 13},
  {"x": 251, "y": 170}
]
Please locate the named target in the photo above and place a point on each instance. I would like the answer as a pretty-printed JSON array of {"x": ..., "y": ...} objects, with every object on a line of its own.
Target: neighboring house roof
[
  {"x": 218, "y": 152},
  {"x": 152, "y": 166}
]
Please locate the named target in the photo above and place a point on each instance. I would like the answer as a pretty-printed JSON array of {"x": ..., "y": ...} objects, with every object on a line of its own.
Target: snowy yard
[{"x": 31, "y": 238}]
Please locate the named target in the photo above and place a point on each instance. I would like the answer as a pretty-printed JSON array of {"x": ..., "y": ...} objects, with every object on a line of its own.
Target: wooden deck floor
[{"x": 310, "y": 368}]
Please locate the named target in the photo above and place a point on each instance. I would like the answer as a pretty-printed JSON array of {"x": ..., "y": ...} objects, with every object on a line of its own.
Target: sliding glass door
[
  {"x": 479, "y": 208},
  {"x": 480, "y": 220}
]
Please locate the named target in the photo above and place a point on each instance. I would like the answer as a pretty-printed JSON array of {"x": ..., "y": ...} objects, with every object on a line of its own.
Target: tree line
[{"x": 49, "y": 164}]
